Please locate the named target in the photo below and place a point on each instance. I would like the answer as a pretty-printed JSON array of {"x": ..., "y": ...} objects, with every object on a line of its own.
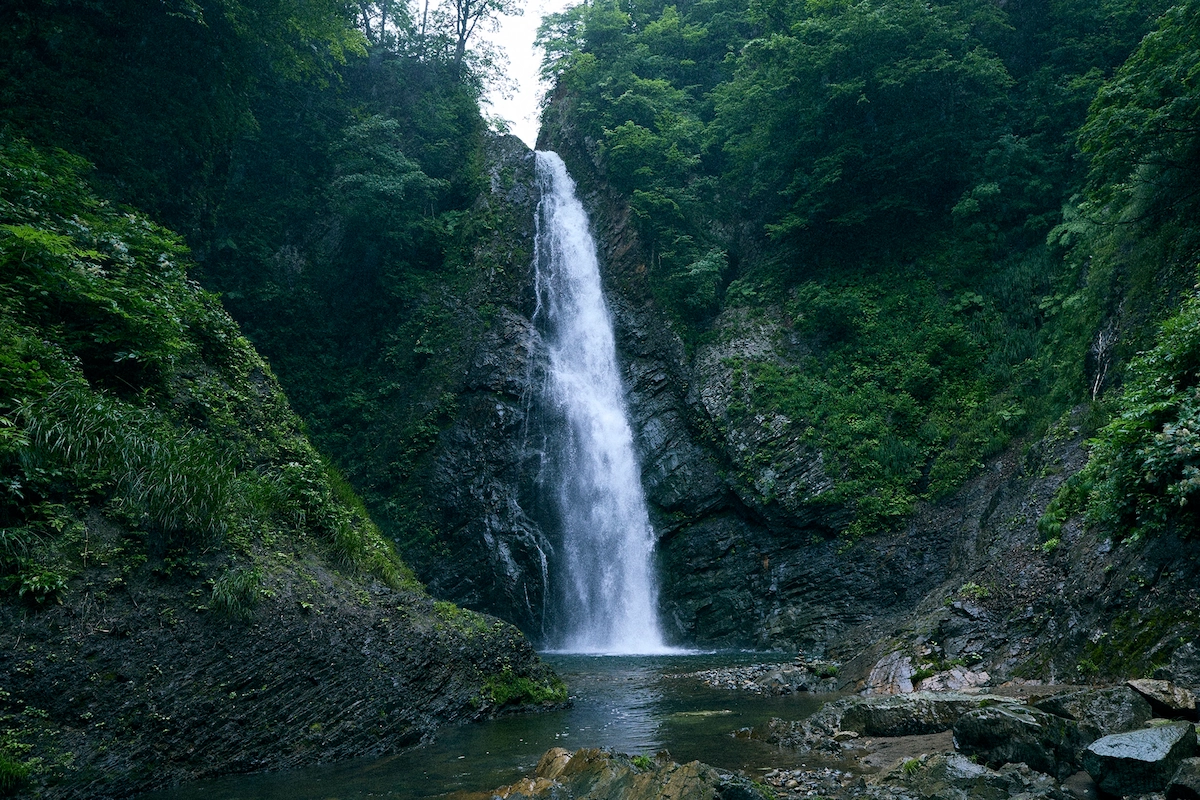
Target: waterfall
[{"x": 607, "y": 594}]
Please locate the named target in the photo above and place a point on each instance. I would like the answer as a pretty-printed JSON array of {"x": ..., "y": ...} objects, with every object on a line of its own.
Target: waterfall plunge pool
[{"x": 625, "y": 703}]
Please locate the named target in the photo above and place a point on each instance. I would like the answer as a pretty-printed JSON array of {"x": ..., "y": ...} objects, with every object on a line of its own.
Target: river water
[{"x": 626, "y": 703}]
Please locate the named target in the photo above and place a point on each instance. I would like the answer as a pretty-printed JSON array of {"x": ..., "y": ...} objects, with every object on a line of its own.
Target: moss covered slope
[{"x": 188, "y": 587}]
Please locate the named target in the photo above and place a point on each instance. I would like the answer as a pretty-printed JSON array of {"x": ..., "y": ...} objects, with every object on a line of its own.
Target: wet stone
[{"x": 1141, "y": 761}]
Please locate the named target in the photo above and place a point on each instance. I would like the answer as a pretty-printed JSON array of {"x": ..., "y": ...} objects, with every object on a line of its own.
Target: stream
[{"x": 626, "y": 703}]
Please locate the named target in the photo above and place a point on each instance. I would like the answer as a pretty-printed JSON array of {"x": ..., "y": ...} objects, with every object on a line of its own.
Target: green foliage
[
  {"x": 364, "y": 283},
  {"x": 1144, "y": 466},
  {"x": 509, "y": 689},
  {"x": 463, "y": 620},
  {"x": 127, "y": 388},
  {"x": 176, "y": 480},
  {"x": 884, "y": 172},
  {"x": 1136, "y": 240},
  {"x": 13, "y": 773},
  {"x": 35, "y": 583},
  {"x": 1141, "y": 135},
  {"x": 156, "y": 96},
  {"x": 827, "y": 671},
  {"x": 841, "y": 99},
  {"x": 973, "y": 591},
  {"x": 642, "y": 761},
  {"x": 904, "y": 391},
  {"x": 236, "y": 592}
]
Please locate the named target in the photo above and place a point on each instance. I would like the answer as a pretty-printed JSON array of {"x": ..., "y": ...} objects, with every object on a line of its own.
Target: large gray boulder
[
  {"x": 1185, "y": 783},
  {"x": 1100, "y": 712},
  {"x": 1167, "y": 699},
  {"x": 1011, "y": 734},
  {"x": 1138, "y": 762},
  {"x": 911, "y": 714}
]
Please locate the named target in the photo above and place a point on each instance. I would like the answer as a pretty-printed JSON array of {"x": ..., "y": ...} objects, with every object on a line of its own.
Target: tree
[
  {"x": 468, "y": 14},
  {"x": 1143, "y": 134},
  {"x": 863, "y": 118}
]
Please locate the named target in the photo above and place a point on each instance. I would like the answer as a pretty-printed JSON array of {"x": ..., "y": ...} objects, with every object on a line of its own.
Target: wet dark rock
[
  {"x": 912, "y": 714},
  {"x": 1100, "y": 711},
  {"x": 482, "y": 475},
  {"x": 1183, "y": 668},
  {"x": 1140, "y": 761},
  {"x": 951, "y": 776},
  {"x": 915, "y": 714},
  {"x": 1006, "y": 734},
  {"x": 1185, "y": 783},
  {"x": 770, "y": 679},
  {"x": 1167, "y": 699},
  {"x": 146, "y": 687}
]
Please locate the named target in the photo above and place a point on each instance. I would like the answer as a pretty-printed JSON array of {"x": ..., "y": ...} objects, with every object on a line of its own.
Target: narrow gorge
[{"x": 841, "y": 347}]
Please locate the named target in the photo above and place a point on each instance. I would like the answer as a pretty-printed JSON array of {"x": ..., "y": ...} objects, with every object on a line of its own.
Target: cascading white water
[{"x": 609, "y": 599}]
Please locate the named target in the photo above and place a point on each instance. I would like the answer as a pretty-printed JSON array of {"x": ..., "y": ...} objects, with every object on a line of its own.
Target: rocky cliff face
[
  {"x": 749, "y": 549},
  {"x": 482, "y": 470},
  {"x": 143, "y": 683}
]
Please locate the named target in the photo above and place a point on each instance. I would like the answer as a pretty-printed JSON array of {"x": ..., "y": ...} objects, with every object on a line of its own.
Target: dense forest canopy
[
  {"x": 321, "y": 161},
  {"x": 972, "y": 213},
  {"x": 890, "y": 177}
]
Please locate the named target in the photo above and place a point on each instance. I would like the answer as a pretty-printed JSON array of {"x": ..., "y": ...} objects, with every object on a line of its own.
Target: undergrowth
[
  {"x": 507, "y": 688},
  {"x": 125, "y": 388}
]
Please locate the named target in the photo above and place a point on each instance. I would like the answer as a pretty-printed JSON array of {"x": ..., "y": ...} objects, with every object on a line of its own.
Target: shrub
[
  {"x": 175, "y": 479},
  {"x": 236, "y": 593},
  {"x": 13, "y": 774},
  {"x": 507, "y": 688}
]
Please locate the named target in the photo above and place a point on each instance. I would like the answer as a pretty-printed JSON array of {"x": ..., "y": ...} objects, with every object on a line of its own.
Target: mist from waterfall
[{"x": 608, "y": 600}]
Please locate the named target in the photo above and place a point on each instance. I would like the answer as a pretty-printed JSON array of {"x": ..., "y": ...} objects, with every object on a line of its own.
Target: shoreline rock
[
  {"x": 146, "y": 688},
  {"x": 593, "y": 774},
  {"x": 815, "y": 677}
]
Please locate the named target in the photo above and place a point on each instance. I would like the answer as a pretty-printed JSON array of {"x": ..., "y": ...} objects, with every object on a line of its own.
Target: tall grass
[
  {"x": 176, "y": 480},
  {"x": 236, "y": 593}
]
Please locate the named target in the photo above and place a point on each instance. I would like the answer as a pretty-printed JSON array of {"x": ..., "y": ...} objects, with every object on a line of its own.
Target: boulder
[
  {"x": 835, "y": 725},
  {"x": 1100, "y": 712},
  {"x": 600, "y": 775},
  {"x": 913, "y": 714},
  {"x": 1138, "y": 762},
  {"x": 553, "y": 762},
  {"x": 951, "y": 776},
  {"x": 1185, "y": 784},
  {"x": 891, "y": 675},
  {"x": 953, "y": 679},
  {"x": 1167, "y": 699},
  {"x": 1006, "y": 734}
]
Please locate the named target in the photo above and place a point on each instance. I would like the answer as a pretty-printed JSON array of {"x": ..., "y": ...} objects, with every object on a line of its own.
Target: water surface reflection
[{"x": 626, "y": 703}]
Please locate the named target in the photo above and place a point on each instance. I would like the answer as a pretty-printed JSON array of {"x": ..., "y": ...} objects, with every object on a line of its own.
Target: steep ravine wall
[
  {"x": 745, "y": 557},
  {"x": 480, "y": 472}
]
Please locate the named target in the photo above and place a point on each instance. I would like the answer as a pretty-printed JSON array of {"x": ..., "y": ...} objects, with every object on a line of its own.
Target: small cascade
[{"x": 607, "y": 593}]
